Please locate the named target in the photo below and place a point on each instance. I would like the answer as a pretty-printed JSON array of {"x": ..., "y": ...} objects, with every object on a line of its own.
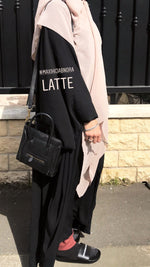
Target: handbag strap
[
  {"x": 32, "y": 88},
  {"x": 33, "y": 85}
]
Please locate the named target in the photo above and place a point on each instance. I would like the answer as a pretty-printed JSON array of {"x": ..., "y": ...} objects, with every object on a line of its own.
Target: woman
[{"x": 72, "y": 89}]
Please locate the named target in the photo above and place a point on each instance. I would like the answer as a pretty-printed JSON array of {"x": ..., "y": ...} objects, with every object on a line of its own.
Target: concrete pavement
[{"x": 120, "y": 228}]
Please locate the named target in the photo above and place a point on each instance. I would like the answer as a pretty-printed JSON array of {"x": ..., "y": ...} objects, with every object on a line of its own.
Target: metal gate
[{"x": 125, "y": 30}]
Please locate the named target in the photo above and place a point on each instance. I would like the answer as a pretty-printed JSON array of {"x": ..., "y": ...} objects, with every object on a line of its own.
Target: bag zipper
[{"x": 40, "y": 160}]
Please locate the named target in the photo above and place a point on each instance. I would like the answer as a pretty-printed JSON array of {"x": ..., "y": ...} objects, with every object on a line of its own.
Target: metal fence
[
  {"x": 16, "y": 27},
  {"x": 125, "y": 30}
]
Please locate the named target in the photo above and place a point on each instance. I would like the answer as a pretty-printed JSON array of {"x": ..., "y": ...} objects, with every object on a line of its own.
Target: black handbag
[{"x": 39, "y": 148}]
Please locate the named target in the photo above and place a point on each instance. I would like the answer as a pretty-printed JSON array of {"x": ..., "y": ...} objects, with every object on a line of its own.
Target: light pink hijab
[{"x": 87, "y": 43}]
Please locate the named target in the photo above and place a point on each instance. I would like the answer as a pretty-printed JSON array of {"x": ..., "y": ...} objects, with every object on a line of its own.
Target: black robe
[{"x": 63, "y": 94}]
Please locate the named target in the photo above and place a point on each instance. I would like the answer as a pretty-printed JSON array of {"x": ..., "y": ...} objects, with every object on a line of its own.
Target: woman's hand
[{"x": 93, "y": 135}]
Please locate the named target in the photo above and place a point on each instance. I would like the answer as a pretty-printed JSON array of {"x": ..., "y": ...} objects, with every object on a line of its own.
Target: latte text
[{"x": 57, "y": 84}]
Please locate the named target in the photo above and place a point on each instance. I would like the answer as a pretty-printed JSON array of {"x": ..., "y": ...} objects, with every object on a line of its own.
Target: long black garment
[
  {"x": 61, "y": 93},
  {"x": 51, "y": 202}
]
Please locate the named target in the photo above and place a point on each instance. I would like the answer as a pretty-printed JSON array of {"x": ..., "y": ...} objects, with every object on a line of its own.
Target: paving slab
[
  {"x": 120, "y": 228},
  {"x": 135, "y": 256}
]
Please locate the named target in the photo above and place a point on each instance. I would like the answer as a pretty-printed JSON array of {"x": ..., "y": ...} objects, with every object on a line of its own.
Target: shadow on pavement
[{"x": 15, "y": 204}]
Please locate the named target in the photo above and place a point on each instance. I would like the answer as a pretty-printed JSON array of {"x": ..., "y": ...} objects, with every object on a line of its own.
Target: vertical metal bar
[
  {"x": 147, "y": 73},
  {"x": 35, "y": 4},
  {"x": 17, "y": 11},
  {"x": 32, "y": 21},
  {"x": 102, "y": 17},
  {"x": 1, "y": 43},
  {"x": 134, "y": 27},
  {"x": 118, "y": 22},
  {"x": 119, "y": 18},
  {"x": 32, "y": 16}
]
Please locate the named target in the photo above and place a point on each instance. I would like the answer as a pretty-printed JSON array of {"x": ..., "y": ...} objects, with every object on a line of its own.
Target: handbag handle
[{"x": 50, "y": 122}]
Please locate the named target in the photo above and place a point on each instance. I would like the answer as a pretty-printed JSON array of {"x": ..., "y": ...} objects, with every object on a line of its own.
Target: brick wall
[
  {"x": 128, "y": 152},
  {"x": 127, "y": 156},
  {"x": 11, "y": 170}
]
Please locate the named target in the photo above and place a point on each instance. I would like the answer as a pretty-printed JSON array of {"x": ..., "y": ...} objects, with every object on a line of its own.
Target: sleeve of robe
[{"x": 62, "y": 91}]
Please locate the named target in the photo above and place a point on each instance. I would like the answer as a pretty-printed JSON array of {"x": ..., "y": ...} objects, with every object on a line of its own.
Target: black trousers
[
  {"x": 81, "y": 209},
  {"x": 84, "y": 206}
]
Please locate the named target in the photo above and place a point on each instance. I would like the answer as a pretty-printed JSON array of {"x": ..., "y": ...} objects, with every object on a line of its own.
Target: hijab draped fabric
[{"x": 86, "y": 41}]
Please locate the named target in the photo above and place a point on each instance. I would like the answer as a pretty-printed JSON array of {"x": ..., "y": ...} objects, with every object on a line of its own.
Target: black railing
[
  {"x": 18, "y": 48},
  {"x": 147, "y": 73},
  {"x": 125, "y": 31},
  {"x": 1, "y": 45},
  {"x": 16, "y": 28},
  {"x": 119, "y": 19},
  {"x": 125, "y": 28},
  {"x": 103, "y": 14}
]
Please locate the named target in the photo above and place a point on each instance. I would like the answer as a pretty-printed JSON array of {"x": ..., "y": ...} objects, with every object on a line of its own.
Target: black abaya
[{"x": 52, "y": 198}]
